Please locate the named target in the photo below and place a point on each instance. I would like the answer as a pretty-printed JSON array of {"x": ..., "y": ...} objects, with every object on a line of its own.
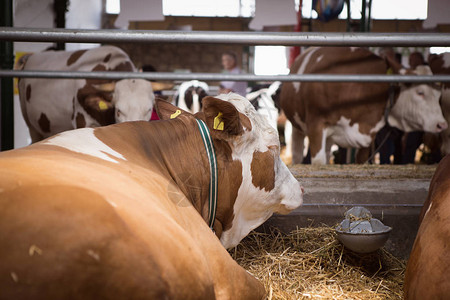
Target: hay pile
[{"x": 309, "y": 263}]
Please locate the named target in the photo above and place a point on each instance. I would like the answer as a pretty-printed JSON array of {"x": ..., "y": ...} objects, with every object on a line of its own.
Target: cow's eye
[{"x": 420, "y": 93}]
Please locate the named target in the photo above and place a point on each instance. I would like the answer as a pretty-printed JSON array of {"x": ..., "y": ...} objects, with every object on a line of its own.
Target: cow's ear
[
  {"x": 222, "y": 118},
  {"x": 100, "y": 109},
  {"x": 167, "y": 111},
  {"x": 161, "y": 86}
]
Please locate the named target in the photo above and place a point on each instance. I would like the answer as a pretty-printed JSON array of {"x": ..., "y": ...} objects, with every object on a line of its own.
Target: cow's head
[
  {"x": 133, "y": 100},
  {"x": 417, "y": 106},
  {"x": 253, "y": 181},
  {"x": 190, "y": 94}
]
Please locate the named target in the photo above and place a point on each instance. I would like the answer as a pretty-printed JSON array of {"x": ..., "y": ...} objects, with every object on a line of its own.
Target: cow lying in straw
[
  {"x": 428, "y": 264},
  {"x": 142, "y": 210}
]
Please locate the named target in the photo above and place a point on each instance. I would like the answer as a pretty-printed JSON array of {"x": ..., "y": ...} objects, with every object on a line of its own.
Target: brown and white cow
[
  {"x": 190, "y": 94},
  {"x": 428, "y": 265},
  {"x": 50, "y": 106},
  {"x": 350, "y": 114},
  {"x": 440, "y": 65},
  {"x": 121, "y": 211}
]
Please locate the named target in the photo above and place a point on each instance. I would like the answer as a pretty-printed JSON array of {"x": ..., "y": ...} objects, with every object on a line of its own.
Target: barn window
[
  {"x": 198, "y": 8},
  {"x": 112, "y": 6},
  {"x": 381, "y": 9},
  {"x": 439, "y": 50},
  {"x": 209, "y": 8},
  {"x": 276, "y": 65}
]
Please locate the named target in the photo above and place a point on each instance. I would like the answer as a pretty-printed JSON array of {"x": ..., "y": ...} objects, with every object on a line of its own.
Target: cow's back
[
  {"x": 338, "y": 60},
  {"x": 48, "y": 104},
  {"x": 108, "y": 57},
  {"x": 429, "y": 263},
  {"x": 331, "y": 100},
  {"x": 105, "y": 227}
]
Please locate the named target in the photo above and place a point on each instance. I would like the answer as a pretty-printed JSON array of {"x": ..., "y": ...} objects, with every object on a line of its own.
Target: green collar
[{"x": 207, "y": 141}]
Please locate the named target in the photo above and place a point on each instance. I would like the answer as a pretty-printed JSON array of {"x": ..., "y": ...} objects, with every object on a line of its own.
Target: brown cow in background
[{"x": 350, "y": 114}]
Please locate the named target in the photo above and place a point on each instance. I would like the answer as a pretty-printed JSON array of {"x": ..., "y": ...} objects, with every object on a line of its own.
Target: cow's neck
[
  {"x": 213, "y": 171},
  {"x": 188, "y": 165},
  {"x": 195, "y": 171},
  {"x": 182, "y": 157}
]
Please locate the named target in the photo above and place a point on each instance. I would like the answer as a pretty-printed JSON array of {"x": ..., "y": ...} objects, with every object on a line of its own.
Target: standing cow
[
  {"x": 142, "y": 210},
  {"x": 429, "y": 261},
  {"x": 50, "y": 106},
  {"x": 350, "y": 114},
  {"x": 440, "y": 65}
]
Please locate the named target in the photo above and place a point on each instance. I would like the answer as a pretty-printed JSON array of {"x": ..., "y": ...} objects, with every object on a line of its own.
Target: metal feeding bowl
[{"x": 360, "y": 232}]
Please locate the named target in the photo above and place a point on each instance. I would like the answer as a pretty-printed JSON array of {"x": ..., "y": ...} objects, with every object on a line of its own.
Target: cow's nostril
[{"x": 442, "y": 126}]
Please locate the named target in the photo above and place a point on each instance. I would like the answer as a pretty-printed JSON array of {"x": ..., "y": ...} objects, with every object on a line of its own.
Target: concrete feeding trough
[{"x": 360, "y": 232}]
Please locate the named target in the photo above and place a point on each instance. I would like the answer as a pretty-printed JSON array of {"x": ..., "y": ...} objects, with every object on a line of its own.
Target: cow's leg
[
  {"x": 362, "y": 155},
  {"x": 297, "y": 145},
  {"x": 317, "y": 140},
  {"x": 328, "y": 145},
  {"x": 288, "y": 128}
]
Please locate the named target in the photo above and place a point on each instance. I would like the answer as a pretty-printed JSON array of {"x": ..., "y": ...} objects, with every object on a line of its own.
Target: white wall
[
  {"x": 28, "y": 14},
  {"x": 83, "y": 14},
  {"x": 437, "y": 13}
]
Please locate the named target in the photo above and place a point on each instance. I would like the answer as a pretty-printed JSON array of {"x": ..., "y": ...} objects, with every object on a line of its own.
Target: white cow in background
[
  {"x": 266, "y": 103},
  {"x": 189, "y": 95},
  {"x": 51, "y": 106}
]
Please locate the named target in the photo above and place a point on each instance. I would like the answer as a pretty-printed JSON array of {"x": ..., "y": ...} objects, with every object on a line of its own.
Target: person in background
[
  {"x": 229, "y": 63},
  {"x": 416, "y": 59}
]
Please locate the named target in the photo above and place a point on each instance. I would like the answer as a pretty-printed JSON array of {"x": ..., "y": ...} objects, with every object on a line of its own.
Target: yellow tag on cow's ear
[
  {"x": 175, "y": 114},
  {"x": 102, "y": 105},
  {"x": 218, "y": 122}
]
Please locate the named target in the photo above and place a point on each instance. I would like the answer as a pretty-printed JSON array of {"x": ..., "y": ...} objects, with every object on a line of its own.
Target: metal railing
[
  {"x": 224, "y": 37},
  {"x": 221, "y": 37},
  {"x": 10, "y": 34},
  {"x": 233, "y": 77}
]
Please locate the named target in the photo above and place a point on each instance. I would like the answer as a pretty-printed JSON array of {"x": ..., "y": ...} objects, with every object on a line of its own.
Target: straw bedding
[{"x": 309, "y": 263}]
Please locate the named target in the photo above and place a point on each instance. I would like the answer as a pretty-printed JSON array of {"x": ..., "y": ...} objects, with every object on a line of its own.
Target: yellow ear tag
[
  {"x": 175, "y": 114},
  {"x": 218, "y": 123},
  {"x": 102, "y": 105}
]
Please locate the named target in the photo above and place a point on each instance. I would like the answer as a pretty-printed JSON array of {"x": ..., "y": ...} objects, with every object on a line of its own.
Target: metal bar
[
  {"x": 6, "y": 84},
  {"x": 220, "y": 76},
  {"x": 224, "y": 37}
]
